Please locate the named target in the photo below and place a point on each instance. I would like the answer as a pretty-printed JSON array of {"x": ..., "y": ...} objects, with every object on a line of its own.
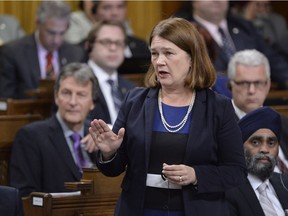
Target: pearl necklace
[{"x": 178, "y": 127}]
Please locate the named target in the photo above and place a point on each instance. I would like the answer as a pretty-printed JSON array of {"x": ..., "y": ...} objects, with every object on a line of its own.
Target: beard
[{"x": 259, "y": 169}]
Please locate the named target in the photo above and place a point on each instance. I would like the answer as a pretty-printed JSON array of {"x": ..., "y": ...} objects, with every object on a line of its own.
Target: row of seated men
[
  {"x": 49, "y": 149},
  {"x": 27, "y": 60},
  {"x": 248, "y": 85},
  {"x": 236, "y": 34},
  {"x": 48, "y": 153}
]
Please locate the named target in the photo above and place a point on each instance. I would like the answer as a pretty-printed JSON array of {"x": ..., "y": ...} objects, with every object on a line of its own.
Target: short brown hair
[
  {"x": 92, "y": 36},
  {"x": 184, "y": 35}
]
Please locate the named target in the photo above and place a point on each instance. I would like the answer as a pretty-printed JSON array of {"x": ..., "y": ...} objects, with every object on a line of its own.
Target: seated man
[
  {"x": 232, "y": 34},
  {"x": 106, "y": 44},
  {"x": 249, "y": 82},
  {"x": 10, "y": 202},
  {"x": 40, "y": 55},
  {"x": 47, "y": 153},
  {"x": 265, "y": 192}
]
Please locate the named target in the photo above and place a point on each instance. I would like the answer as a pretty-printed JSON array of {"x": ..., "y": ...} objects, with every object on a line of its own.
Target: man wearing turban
[{"x": 265, "y": 192}]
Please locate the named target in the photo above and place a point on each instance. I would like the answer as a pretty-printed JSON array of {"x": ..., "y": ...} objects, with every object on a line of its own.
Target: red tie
[{"x": 50, "y": 74}]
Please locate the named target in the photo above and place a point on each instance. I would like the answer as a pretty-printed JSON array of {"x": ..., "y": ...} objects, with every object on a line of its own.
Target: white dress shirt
[
  {"x": 255, "y": 182},
  {"x": 105, "y": 87}
]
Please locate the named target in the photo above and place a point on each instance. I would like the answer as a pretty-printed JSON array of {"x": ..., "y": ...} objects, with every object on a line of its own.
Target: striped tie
[
  {"x": 116, "y": 94},
  {"x": 266, "y": 204},
  {"x": 227, "y": 44}
]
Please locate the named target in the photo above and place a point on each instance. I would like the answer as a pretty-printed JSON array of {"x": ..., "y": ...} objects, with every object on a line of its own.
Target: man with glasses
[
  {"x": 249, "y": 82},
  {"x": 106, "y": 44}
]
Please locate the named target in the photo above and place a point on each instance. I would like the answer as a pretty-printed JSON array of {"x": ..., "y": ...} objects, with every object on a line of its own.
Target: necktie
[
  {"x": 265, "y": 202},
  {"x": 50, "y": 74},
  {"x": 282, "y": 167},
  {"x": 116, "y": 94},
  {"x": 227, "y": 44},
  {"x": 77, "y": 150}
]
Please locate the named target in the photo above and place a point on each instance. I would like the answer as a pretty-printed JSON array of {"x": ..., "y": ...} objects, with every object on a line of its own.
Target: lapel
[
  {"x": 122, "y": 87},
  {"x": 58, "y": 140},
  {"x": 102, "y": 103},
  {"x": 251, "y": 198},
  {"x": 198, "y": 118},
  {"x": 277, "y": 180},
  {"x": 150, "y": 105},
  {"x": 63, "y": 56},
  {"x": 31, "y": 53}
]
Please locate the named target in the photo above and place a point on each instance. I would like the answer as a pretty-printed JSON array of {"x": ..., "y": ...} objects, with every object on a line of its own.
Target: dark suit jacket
[
  {"x": 20, "y": 68},
  {"x": 214, "y": 149},
  {"x": 10, "y": 202},
  {"x": 140, "y": 60},
  {"x": 244, "y": 202},
  {"x": 101, "y": 109},
  {"x": 41, "y": 160},
  {"x": 246, "y": 36}
]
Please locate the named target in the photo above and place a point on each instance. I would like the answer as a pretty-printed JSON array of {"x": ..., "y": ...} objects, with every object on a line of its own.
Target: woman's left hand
[{"x": 180, "y": 174}]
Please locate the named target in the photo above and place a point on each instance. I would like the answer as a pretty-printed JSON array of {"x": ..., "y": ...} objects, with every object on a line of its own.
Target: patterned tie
[
  {"x": 77, "y": 149},
  {"x": 266, "y": 204},
  {"x": 50, "y": 74},
  {"x": 116, "y": 94},
  {"x": 227, "y": 44}
]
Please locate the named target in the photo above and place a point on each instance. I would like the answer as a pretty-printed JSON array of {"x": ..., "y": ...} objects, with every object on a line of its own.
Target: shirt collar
[
  {"x": 66, "y": 130},
  {"x": 101, "y": 75}
]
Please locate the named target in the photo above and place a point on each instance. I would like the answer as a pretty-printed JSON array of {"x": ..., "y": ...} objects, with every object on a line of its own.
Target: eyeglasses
[
  {"x": 108, "y": 43},
  {"x": 246, "y": 84}
]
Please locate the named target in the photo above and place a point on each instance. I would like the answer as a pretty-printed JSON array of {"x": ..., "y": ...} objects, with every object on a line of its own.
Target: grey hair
[
  {"x": 82, "y": 73},
  {"x": 53, "y": 9},
  {"x": 249, "y": 58}
]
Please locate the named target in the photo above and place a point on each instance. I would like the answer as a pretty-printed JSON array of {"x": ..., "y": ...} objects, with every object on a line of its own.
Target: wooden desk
[
  {"x": 101, "y": 202},
  {"x": 9, "y": 125}
]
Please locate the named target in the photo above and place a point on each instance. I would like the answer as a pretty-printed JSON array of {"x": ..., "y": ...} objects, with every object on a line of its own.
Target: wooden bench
[
  {"x": 277, "y": 97},
  {"x": 100, "y": 201},
  {"x": 282, "y": 109},
  {"x": 10, "y": 106},
  {"x": 9, "y": 125}
]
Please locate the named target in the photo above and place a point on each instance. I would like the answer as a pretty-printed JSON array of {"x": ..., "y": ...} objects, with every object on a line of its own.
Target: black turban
[{"x": 263, "y": 117}]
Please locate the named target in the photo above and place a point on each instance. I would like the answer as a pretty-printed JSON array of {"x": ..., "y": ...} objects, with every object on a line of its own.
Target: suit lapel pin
[{"x": 235, "y": 30}]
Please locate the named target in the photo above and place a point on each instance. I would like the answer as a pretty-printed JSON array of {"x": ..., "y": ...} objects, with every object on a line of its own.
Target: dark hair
[
  {"x": 92, "y": 36},
  {"x": 184, "y": 35},
  {"x": 82, "y": 73}
]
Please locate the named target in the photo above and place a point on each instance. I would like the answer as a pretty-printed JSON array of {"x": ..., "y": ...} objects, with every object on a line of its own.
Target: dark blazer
[
  {"x": 20, "y": 68},
  {"x": 10, "y": 202},
  {"x": 214, "y": 149},
  {"x": 246, "y": 36},
  {"x": 41, "y": 160},
  {"x": 138, "y": 47},
  {"x": 244, "y": 202},
  {"x": 101, "y": 109}
]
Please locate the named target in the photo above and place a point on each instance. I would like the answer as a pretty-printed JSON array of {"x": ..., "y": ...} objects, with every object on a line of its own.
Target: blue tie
[
  {"x": 116, "y": 95},
  {"x": 227, "y": 44}
]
